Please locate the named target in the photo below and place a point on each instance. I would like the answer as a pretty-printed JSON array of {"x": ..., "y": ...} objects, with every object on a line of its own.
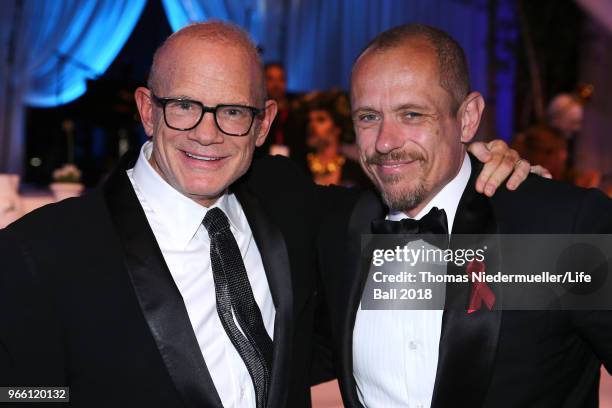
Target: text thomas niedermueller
[{"x": 482, "y": 276}]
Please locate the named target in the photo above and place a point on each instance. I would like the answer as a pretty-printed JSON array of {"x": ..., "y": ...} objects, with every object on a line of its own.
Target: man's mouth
[
  {"x": 203, "y": 158},
  {"x": 393, "y": 165}
]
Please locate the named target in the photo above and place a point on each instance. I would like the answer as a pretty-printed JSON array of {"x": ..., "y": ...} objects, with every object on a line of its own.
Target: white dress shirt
[
  {"x": 176, "y": 222},
  {"x": 395, "y": 352}
]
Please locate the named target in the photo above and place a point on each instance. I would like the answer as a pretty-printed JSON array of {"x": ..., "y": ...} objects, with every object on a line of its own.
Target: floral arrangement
[{"x": 68, "y": 173}]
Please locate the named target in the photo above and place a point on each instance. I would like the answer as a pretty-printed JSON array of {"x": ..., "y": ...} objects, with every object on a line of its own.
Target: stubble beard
[
  {"x": 389, "y": 186},
  {"x": 402, "y": 199}
]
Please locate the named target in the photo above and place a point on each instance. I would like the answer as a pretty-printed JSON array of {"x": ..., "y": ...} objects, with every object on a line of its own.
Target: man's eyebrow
[
  {"x": 171, "y": 96},
  {"x": 407, "y": 106},
  {"x": 191, "y": 98},
  {"x": 363, "y": 109}
]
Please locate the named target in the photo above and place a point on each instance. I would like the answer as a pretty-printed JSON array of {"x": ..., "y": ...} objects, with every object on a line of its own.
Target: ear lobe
[
  {"x": 270, "y": 113},
  {"x": 470, "y": 114},
  {"x": 145, "y": 109}
]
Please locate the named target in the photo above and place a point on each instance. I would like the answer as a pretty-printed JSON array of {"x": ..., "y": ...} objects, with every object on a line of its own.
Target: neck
[
  {"x": 414, "y": 211},
  {"x": 329, "y": 152},
  {"x": 204, "y": 202}
]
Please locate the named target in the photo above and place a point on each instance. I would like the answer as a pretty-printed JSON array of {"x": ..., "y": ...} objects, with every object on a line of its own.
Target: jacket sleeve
[
  {"x": 594, "y": 215},
  {"x": 595, "y": 327},
  {"x": 30, "y": 345}
]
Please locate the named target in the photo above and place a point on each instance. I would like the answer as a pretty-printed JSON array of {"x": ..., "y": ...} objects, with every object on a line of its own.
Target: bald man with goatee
[{"x": 414, "y": 113}]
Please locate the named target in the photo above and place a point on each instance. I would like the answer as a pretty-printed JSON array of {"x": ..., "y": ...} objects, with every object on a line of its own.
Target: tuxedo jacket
[
  {"x": 486, "y": 358},
  {"x": 87, "y": 301}
]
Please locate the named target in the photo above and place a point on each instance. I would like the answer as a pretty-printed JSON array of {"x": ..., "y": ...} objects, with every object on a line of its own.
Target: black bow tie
[{"x": 432, "y": 223}]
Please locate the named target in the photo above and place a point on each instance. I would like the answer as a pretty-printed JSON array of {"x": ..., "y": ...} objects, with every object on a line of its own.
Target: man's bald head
[
  {"x": 210, "y": 32},
  {"x": 452, "y": 64}
]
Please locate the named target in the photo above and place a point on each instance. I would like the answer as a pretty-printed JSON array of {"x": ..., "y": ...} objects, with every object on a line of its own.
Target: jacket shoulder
[
  {"x": 48, "y": 223},
  {"x": 555, "y": 207}
]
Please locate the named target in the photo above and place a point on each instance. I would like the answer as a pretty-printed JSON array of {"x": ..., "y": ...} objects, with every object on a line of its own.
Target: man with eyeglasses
[{"x": 172, "y": 285}]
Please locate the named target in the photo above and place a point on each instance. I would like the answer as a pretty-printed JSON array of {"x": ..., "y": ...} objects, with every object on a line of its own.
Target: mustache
[{"x": 394, "y": 156}]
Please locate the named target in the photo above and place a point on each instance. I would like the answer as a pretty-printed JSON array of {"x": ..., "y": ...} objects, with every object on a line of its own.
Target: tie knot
[{"x": 215, "y": 221}]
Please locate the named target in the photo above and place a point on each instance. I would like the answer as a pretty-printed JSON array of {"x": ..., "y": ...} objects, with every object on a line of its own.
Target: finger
[
  {"x": 493, "y": 159},
  {"x": 498, "y": 146},
  {"x": 520, "y": 173},
  {"x": 480, "y": 150},
  {"x": 499, "y": 153},
  {"x": 500, "y": 174},
  {"x": 541, "y": 171}
]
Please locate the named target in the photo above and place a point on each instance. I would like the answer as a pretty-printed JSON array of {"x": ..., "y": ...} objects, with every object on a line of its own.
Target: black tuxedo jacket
[
  {"x": 486, "y": 358},
  {"x": 87, "y": 301}
]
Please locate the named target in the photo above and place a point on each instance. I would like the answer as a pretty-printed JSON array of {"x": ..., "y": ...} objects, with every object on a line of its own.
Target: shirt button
[{"x": 413, "y": 346}]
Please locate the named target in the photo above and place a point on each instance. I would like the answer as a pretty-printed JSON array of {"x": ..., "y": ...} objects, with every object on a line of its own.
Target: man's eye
[
  {"x": 233, "y": 112},
  {"x": 367, "y": 117},
  {"x": 185, "y": 105},
  {"x": 412, "y": 115}
]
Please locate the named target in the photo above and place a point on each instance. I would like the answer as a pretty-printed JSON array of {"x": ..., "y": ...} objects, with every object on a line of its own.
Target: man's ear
[
  {"x": 470, "y": 113},
  {"x": 145, "y": 109},
  {"x": 270, "y": 113}
]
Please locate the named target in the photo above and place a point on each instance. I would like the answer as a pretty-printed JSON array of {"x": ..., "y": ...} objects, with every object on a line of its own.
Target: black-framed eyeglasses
[{"x": 186, "y": 114}]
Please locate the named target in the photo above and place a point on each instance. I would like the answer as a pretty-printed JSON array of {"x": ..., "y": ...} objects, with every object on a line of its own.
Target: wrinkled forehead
[
  {"x": 412, "y": 55},
  {"x": 195, "y": 65},
  {"x": 389, "y": 73}
]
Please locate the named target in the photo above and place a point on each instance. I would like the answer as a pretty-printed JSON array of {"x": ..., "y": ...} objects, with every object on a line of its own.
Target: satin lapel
[
  {"x": 159, "y": 298},
  {"x": 468, "y": 343},
  {"x": 275, "y": 258},
  {"x": 368, "y": 208}
]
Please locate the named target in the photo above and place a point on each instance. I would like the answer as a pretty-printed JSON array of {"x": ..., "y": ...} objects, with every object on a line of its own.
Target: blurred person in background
[
  {"x": 285, "y": 138},
  {"x": 545, "y": 146},
  {"x": 328, "y": 126},
  {"x": 565, "y": 113}
]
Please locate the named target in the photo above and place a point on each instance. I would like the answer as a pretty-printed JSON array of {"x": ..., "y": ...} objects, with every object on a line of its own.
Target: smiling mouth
[
  {"x": 203, "y": 158},
  {"x": 394, "y": 165}
]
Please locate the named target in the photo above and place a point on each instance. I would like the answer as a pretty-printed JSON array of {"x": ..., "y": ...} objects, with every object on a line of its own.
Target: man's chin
[
  {"x": 205, "y": 199},
  {"x": 403, "y": 199},
  {"x": 203, "y": 194}
]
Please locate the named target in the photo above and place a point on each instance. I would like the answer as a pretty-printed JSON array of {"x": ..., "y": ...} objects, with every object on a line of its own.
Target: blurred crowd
[
  {"x": 552, "y": 143},
  {"x": 314, "y": 130}
]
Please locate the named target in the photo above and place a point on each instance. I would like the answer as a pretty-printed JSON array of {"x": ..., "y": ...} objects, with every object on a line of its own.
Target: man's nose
[
  {"x": 389, "y": 137},
  {"x": 207, "y": 132}
]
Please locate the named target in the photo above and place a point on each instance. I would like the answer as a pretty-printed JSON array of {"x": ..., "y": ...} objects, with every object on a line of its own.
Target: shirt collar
[
  {"x": 183, "y": 216},
  {"x": 447, "y": 199}
]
